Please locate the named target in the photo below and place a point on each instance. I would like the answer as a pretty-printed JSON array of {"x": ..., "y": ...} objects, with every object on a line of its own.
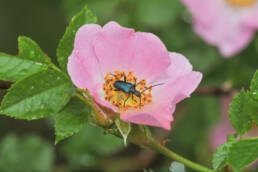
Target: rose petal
[
  {"x": 228, "y": 35},
  {"x": 119, "y": 48},
  {"x": 250, "y": 18},
  {"x": 83, "y": 65},
  {"x": 204, "y": 10},
  {"x": 150, "y": 58},
  {"x": 113, "y": 47},
  {"x": 179, "y": 66},
  {"x": 159, "y": 117}
]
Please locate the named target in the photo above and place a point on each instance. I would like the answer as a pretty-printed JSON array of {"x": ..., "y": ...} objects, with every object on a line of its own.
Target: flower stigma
[
  {"x": 125, "y": 97},
  {"x": 241, "y": 3}
]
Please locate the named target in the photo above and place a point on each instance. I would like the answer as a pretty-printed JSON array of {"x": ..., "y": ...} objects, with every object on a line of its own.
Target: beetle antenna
[
  {"x": 152, "y": 86},
  {"x": 112, "y": 74}
]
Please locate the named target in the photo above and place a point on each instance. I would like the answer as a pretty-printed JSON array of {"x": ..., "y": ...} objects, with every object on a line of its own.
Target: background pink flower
[
  {"x": 227, "y": 24},
  {"x": 100, "y": 52}
]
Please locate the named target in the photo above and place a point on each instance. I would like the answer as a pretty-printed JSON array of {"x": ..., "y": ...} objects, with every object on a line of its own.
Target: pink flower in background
[
  {"x": 131, "y": 73},
  {"x": 227, "y": 24},
  {"x": 224, "y": 128}
]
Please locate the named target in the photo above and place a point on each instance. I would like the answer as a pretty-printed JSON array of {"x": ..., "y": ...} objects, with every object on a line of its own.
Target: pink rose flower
[
  {"x": 153, "y": 80},
  {"x": 227, "y": 24}
]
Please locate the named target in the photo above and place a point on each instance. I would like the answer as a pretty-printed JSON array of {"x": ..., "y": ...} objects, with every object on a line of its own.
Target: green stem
[
  {"x": 155, "y": 145},
  {"x": 142, "y": 137}
]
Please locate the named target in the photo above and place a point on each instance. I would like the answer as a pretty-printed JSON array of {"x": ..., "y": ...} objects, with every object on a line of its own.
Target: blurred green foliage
[
  {"x": 29, "y": 153},
  {"x": 190, "y": 130},
  {"x": 89, "y": 147},
  {"x": 45, "y": 20}
]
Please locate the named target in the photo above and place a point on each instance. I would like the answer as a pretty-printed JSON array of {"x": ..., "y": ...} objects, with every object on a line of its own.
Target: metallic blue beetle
[{"x": 129, "y": 88}]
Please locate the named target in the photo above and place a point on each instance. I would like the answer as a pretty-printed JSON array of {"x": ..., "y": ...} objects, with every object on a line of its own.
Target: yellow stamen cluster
[
  {"x": 241, "y": 3},
  {"x": 122, "y": 100}
]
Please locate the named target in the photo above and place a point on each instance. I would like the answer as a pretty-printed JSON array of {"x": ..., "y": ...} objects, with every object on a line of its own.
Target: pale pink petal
[
  {"x": 178, "y": 89},
  {"x": 83, "y": 66},
  {"x": 179, "y": 66},
  {"x": 150, "y": 58},
  {"x": 119, "y": 48},
  {"x": 159, "y": 116},
  {"x": 236, "y": 44},
  {"x": 226, "y": 32},
  {"x": 204, "y": 10},
  {"x": 113, "y": 47},
  {"x": 79, "y": 74},
  {"x": 250, "y": 19}
]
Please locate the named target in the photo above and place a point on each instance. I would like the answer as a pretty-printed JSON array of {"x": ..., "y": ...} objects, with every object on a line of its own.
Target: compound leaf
[
  {"x": 14, "y": 68},
  {"x": 238, "y": 112},
  {"x": 71, "y": 119},
  {"x": 243, "y": 153},
  {"x": 253, "y": 99},
  {"x": 37, "y": 96},
  {"x": 29, "y": 49},
  {"x": 220, "y": 157}
]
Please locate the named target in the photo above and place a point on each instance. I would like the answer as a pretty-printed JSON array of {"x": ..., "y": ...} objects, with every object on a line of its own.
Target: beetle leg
[
  {"x": 126, "y": 99},
  {"x": 124, "y": 78},
  {"x": 133, "y": 98},
  {"x": 140, "y": 102}
]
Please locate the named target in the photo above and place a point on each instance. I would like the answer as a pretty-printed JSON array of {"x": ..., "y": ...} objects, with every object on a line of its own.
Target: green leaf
[
  {"x": 220, "y": 157},
  {"x": 124, "y": 128},
  {"x": 89, "y": 146},
  {"x": 28, "y": 49},
  {"x": 177, "y": 167},
  {"x": 30, "y": 153},
  {"x": 14, "y": 68},
  {"x": 243, "y": 153},
  {"x": 71, "y": 119},
  {"x": 232, "y": 137},
  {"x": 37, "y": 96},
  {"x": 65, "y": 45},
  {"x": 253, "y": 99},
  {"x": 253, "y": 107},
  {"x": 238, "y": 112},
  {"x": 254, "y": 83}
]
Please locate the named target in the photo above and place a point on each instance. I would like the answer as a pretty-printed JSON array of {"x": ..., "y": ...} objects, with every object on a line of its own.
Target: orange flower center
[
  {"x": 125, "y": 92},
  {"x": 241, "y": 3}
]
